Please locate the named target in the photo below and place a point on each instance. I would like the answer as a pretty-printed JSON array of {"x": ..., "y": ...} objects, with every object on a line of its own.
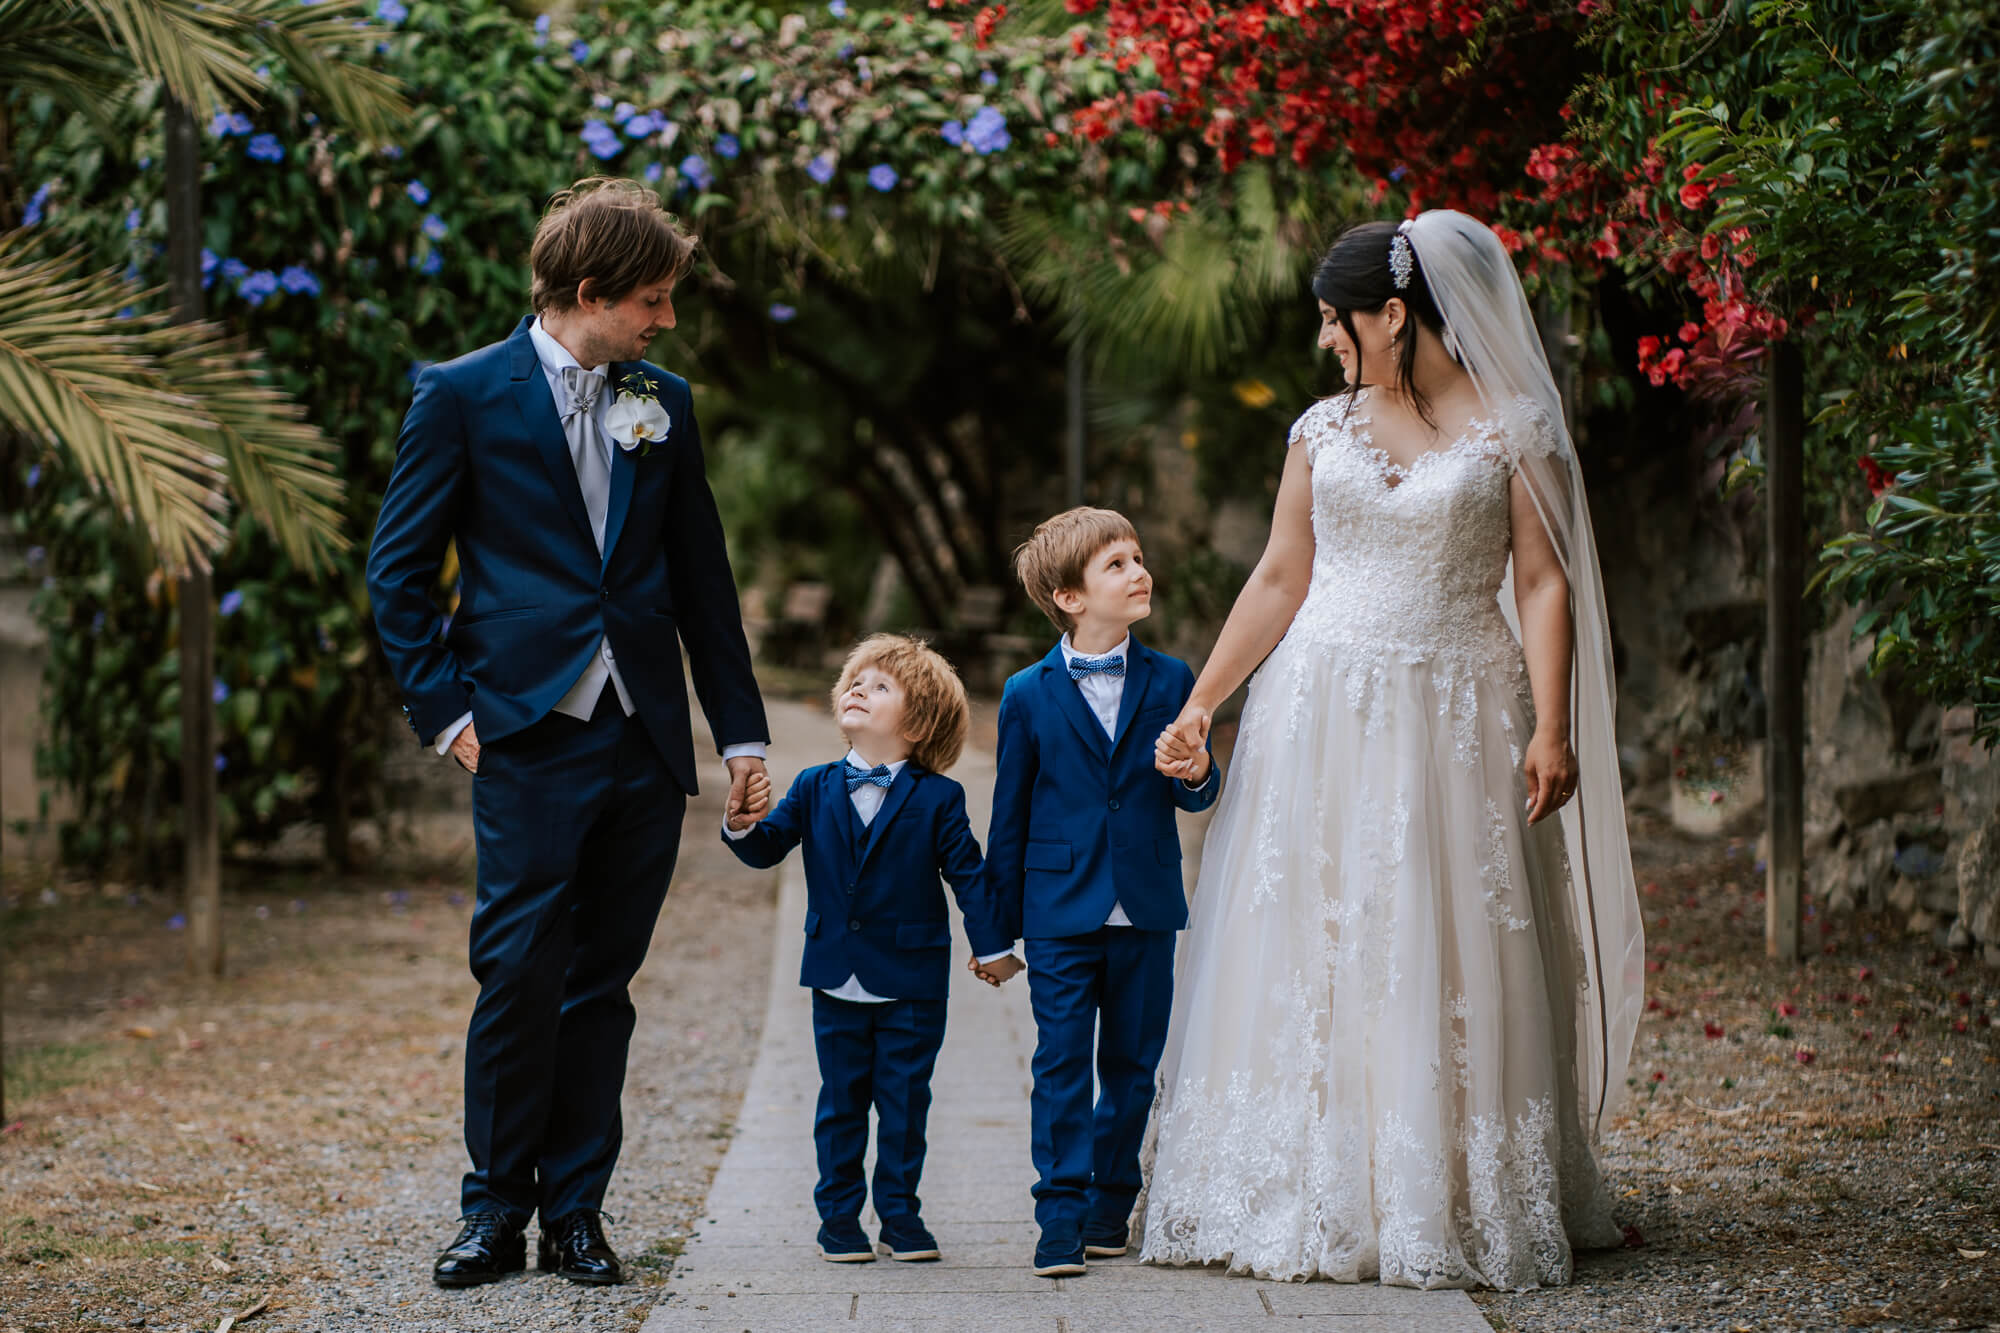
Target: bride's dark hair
[{"x": 1354, "y": 276}]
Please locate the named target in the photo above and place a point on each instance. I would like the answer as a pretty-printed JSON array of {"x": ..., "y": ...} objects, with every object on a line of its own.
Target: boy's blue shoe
[
  {"x": 906, "y": 1239},
  {"x": 842, "y": 1241},
  {"x": 1059, "y": 1253},
  {"x": 1105, "y": 1242}
]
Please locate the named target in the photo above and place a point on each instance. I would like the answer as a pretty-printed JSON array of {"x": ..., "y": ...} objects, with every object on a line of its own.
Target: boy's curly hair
[{"x": 936, "y": 717}]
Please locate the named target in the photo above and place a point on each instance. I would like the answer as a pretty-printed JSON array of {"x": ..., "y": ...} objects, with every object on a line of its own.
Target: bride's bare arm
[
  {"x": 1541, "y": 597},
  {"x": 1271, "y": 597}
]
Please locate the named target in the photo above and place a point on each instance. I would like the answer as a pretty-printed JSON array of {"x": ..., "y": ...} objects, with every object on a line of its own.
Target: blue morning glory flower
[
  {"x": 821, "y": 168},
  {"x": 952, "y": 132},
  {"x": 392, "y": 151},
  {"x": 838, "y": 212},
  {"x": 654, "y": 171},
  {"x": 225, "y": 123},
  {"x": 645, "y": 123},
  {"x": 782, "y": 313},
  {"x": 601, "y": 139},
  {"x": 235, "y": 270},
  {"x": 728, "y": 146},
  {"x": 1397, "y": 173},
  {"x": 34, "y": 475},
  {"x": 221, "y": 763},
  {"x": 221, "y": 694},
  {"x": 847, "y": 51},
  {"x": 259, "y": 285},
  {"x": 623, "y": 112},
  {"x": 231, "y": 603},
  {"x": 697, "y": 172},
  {"x": 988, "y": 77},
  {"x": 541, "y": 29},
  {"x": 800, "y": 105},
  {"x": 434, "y": 227},
  {"x": 432, "y": 263},
  {"x": 837, "y": 8},
  {"x": 392, "y": 12},
  {"x": 299, "y": 280},
  {"x": 177, "y": 921},
  {"x": 419, "y": 193},
  {"x": 132, "y": 220},
  {"x": 266, "y": 148},
  {"x": 579, "y": 51},
  {"x": 987, "y": 131},
  {"x": 883, "y": 177},
  {"x": 33, "y": 213},
  {"x": 600, "y": 101}
]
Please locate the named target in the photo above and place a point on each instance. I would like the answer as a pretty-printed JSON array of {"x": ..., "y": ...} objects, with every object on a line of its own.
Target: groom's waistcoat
[
  {"x": 1082, "y": 820},
  {"x": 875, "y": 909},
  {"x": 482, "y": 463}
]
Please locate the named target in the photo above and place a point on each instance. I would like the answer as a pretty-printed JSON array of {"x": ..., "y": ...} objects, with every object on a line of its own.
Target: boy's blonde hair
[
  {"x": 1061, "y": 549},
  {"x": 936, "y": 717}
]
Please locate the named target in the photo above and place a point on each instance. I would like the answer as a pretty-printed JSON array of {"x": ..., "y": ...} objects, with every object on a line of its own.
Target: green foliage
[{"x": 1849, "y": 149}]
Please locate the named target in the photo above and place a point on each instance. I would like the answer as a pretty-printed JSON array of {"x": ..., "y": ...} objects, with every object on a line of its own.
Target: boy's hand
[
  {"x": 1182, "y": 749},
  {"x": 997, "y": 971},
  {"x": 756, "y": 802}
]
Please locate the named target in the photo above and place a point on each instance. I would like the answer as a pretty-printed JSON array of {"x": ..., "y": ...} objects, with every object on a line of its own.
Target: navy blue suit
[
  {"x": 577, "y": 823},
  {"x": 875, "y": 912},
  {"x": 1082, "y": 821}
]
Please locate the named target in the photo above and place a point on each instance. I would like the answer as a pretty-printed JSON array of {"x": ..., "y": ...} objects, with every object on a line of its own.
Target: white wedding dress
[{"x": 1372, "y": 1067}]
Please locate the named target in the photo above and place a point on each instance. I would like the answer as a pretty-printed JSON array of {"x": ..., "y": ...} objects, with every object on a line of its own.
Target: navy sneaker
[
  {"x": 1059, "y": 1253},
  {"x": 905, "y": 1238},
  {"x": 1105, "y": 1242},
  {"x": 842, "y": 1241}
]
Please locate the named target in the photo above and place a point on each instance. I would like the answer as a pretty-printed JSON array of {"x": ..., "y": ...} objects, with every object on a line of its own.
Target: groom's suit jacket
[
  {"x": 874, "y": 906},
  {"x": 482, "y": 461},
  {"x": 1082, "y": 820}
]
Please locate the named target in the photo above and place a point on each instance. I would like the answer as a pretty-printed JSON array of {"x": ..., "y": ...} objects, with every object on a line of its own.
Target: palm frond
[
  {"x": 281, "y": 469},
  {"x": 204, "y": 52},
  {"x": 157, "y": 417}
]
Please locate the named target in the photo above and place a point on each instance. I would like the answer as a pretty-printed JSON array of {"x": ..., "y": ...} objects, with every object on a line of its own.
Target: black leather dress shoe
[
  {"x": 487, "y": 1249},
  {"x": 573, "y": 1246}
]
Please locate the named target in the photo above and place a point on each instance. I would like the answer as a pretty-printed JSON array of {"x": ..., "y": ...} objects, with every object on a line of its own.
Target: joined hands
[
  {"x": 997, "y": 971},
  {"x": 749, "y": 793},
  {"x": 1182, "y": 749}
]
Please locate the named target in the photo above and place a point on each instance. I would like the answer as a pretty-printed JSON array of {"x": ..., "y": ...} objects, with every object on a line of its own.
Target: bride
[{"x": 1408, "y": 993}]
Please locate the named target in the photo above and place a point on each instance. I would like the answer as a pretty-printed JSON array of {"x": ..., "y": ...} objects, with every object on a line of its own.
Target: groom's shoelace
[
  {"x": 878, "y": 776},
  {"x": 1113, "y": 666}
]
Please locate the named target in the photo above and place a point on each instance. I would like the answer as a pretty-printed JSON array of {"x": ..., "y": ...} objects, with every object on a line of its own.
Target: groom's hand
[
  {"x": 742, "y": 810},
  {"x": 465, "y": 749},
  {"x": 756, "y": 803}
]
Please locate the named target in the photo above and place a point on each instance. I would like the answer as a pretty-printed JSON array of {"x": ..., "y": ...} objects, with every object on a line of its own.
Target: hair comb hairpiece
[{"x": 1402, "y": 260}]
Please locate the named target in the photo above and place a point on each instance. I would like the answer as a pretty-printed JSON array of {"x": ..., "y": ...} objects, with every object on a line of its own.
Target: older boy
[{"x": 1084, "y": 861}]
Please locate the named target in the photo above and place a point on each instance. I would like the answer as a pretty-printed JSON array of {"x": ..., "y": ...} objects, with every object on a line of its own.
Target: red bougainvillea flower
[
  {"x": 1804, "y": 1055},
  {"x": 1711, "y": 1030},
  {"x": 1879, "y": 481}
]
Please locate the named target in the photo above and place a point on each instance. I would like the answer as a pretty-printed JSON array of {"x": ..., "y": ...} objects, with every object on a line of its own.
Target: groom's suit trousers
[{"x": 578, "y": 824}]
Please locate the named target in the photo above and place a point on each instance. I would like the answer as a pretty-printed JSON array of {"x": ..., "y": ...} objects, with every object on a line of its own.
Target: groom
[{"x": 568, "y": 471}]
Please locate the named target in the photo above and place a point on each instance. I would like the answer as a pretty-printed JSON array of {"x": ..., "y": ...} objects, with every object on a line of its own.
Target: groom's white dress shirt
[{"x": 581, "y": 700}]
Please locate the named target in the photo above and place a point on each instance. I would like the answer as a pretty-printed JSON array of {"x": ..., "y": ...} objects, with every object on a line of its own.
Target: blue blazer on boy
[
  {"x": 1082, "y": 820},
  {"x": 875, "y": 909}
]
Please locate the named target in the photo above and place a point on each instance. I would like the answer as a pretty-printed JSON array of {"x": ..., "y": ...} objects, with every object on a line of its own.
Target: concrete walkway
[{"x": 753, "y": 1264}]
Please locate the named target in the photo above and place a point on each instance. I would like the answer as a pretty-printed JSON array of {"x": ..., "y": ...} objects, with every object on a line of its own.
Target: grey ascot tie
[{"x": 593, "y": 471}]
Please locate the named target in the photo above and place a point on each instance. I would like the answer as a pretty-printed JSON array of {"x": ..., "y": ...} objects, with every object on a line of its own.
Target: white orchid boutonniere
[{"x": 635, "y": 418}]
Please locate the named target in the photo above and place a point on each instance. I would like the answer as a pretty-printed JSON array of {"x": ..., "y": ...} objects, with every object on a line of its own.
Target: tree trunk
[
  {"x": 1784, "y": 658},
  {"x": 197, "y": 645}
]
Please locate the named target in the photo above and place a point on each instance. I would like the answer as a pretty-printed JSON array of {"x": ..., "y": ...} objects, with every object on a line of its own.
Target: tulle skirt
[{"x": 1371, "y": 1069}]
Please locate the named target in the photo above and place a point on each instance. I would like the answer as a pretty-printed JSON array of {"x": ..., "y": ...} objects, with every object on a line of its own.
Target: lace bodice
[{"x": 1411, "y": 571}]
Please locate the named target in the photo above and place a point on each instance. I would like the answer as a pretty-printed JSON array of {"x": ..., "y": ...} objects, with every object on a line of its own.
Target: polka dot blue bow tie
[
  {"x": 878, "y": 776},
  {"x": 1113, "y": 666}
]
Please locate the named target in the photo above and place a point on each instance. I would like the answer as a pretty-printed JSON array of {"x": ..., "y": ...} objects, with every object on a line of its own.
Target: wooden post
[
  {"x": 196, "y": 590},
  {"x": 1784, "y": 653},
  {"x": 1077, "y": 434}
]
